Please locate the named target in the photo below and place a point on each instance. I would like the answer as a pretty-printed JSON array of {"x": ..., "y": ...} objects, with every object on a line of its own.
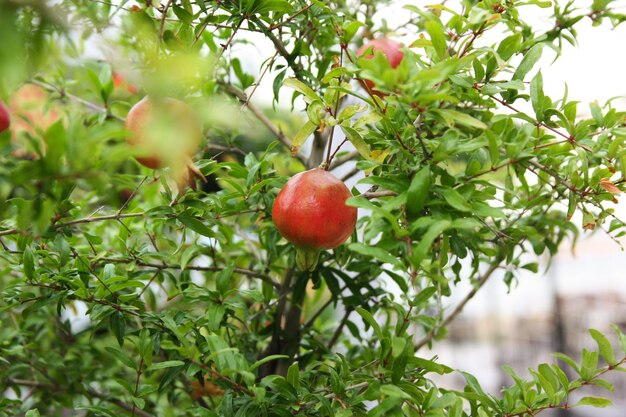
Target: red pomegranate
[
  {"x": 165, "y": 132},
  {"x": 391, "y": 49},
  {"x": 5, "y": 117},
  {"x": 311, "y": 212}
]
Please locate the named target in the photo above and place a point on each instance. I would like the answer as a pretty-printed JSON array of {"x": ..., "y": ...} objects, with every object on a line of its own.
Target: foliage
[{"x": 198, "y": 286}]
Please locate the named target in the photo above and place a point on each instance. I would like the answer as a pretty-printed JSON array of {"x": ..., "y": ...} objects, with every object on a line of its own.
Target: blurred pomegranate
[{"x": 165, "y": 132}]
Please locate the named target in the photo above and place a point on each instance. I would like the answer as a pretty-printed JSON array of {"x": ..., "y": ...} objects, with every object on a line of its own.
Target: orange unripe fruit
[{"x": 310, "y": 211}]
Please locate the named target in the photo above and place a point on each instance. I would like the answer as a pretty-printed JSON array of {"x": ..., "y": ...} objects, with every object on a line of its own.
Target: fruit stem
[{"x": 306, "y": 259}]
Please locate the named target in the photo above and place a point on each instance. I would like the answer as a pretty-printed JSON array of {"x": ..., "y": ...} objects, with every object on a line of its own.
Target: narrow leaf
[
  {"x": 528, "y": 62},
  {"x": 299, "y": 86},
  {"x": 163, "y": 365},
  {"x": 369, "y": 319},
  {"x": 604, "y": 346},
  {"x": 597, "y": 402}
]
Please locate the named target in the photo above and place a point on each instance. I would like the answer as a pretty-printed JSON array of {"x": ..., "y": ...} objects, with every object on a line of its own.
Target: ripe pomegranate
[
  {"x": 392, "y": 51},
  {"x": 5, "y": 117},
  {"x": 311, "y": 212},
  {"x": 165, "y": 132}
]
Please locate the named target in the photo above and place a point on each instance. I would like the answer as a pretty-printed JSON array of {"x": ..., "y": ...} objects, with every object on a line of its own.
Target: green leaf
[
  {"x": 434, "y": 230},
  {"x": 303, "y": 134},
  {"x": 299, "y": 86},
  {"x": 196, "y": 225},
  {"x": 621, "y": 337},
  {"x": 357, "y": 141},
  {"x": 418, "y": 191},
  {"x": 455, "y": 199},
  {"x": 100, "y": 411},
  {"x": 293, "y": 375},
  {"x": 567, "y": 360},
  {"x": 606, "y": 350},
  {"x": 214, "y": 315},
  {"x": 596, "y": 112},
  {"x": 537, "y": 96},
  {"x": 423, "y": 296},
  {"x": 528, "y": 62},
  {"x": 118, "y": 326},
  {"x": 349, "y": 30},
  {"x": 276, "y": 6},
  {"x": 376, "y": 253},
  {"x": 28, "y": 261},
  {"x": 122, "y": 357},
  {"x": 32, "y": 413},
  {"x": 315, "y": 111},
  {"x": 223, "y": 279},
  {"x": 164, "y": 365},
  {"x": 202, "y": 5},
  {"x": 369, "y": 319},
  {"x": 455, "y": 117},
  {"x": 435, "y": 30},
  {"x": 183, "y": 14},
  {"x": 266, "y": 360},
  {"x": 394, "y": 391},
  {"x": 597, "y": 402},
  {"x": 397, "y": 346}
]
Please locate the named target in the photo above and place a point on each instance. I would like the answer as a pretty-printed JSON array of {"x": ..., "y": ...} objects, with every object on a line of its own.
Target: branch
[
  {"x": 242, "y": 271},
  {"x": 290, "y": 18},
  {"x": 343, "y": 159},
  {"x": 241, "y": 96},
  {"x": 572, "y": 388},
  {"x": 459, "y": 308},
  {"x": 339, "y": 328},
  {"x": 116, "y": 216},
  {"x": 280, "y": 47},
  {"x": 65, "y": 94},
  {"x": 57, "y": 388},
  {"x": 378, "y": 194}
]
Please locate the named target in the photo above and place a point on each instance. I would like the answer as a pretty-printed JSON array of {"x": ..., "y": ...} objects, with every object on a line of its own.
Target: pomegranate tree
[
  {"x": 5, "y": 117},
  {"x": 391, "y": 49},
  {"x": 165, "y": 132},
  {"x": 310, "y": 211}
]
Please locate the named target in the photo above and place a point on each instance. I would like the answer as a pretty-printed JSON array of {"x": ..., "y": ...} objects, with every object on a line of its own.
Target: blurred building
[{"x": 545, "y": 313}]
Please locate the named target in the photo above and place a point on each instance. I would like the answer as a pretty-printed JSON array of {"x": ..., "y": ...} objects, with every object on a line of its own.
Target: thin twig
[
  {"x": 258, "y": 82},
  {"x": 116, "y": 216},
  {"x": 339, "y": 328},
  {"x": 240, "y": 271},
  {"x": 290, "y": 18},
  {"x": 280, "y": 47},
  {"x": 163, "y": 16},
  {"x": 139, "y": 372},
  {"x": 52, "y": 387},
  {"x": 459, "y": 308},
  {"x": 378, "y": 194},
  {"x": 232, "y": 90},
  {"x": 63, "y": 93}
]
